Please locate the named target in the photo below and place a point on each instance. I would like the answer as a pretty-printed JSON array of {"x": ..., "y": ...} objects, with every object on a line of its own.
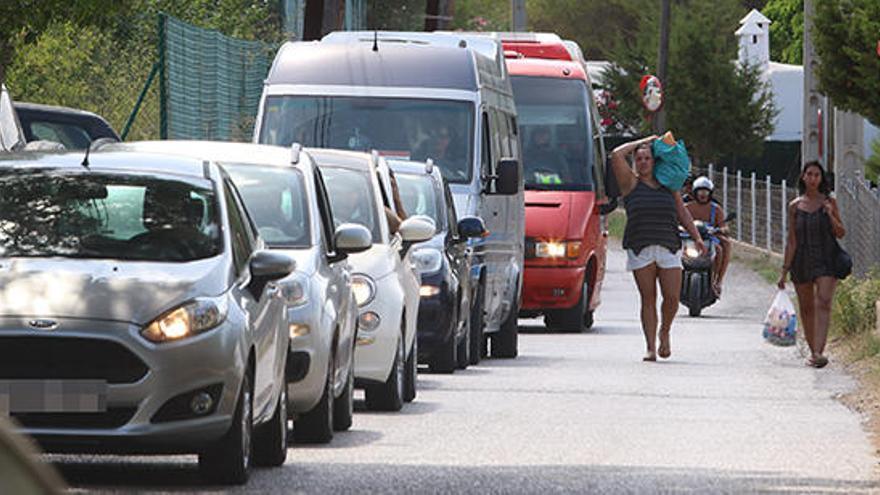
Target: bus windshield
[
  {"x": 553, "y": 117},
  {"x": 410, "y": 129}
]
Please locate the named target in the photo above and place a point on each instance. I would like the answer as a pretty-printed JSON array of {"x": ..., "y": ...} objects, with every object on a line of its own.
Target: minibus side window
[{"x": 486, "y": 167}]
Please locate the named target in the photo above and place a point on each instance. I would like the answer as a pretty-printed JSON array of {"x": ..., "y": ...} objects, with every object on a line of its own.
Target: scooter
[{"x": 697, "y": 275}]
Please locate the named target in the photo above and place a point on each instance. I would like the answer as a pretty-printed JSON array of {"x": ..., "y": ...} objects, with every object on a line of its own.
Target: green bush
[{"x": 853, "y": 310}]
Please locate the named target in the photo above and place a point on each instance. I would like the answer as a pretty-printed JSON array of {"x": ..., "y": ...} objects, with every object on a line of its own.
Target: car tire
[
  {"x": 389, "y": 395},
  {"x": 476, "y": 327},
  {"x": 343, "y": 406},
  {"x": 270, "y": 439},
  {"x": 316, "y": 426},
  {"x": 572, "y": 320},
  {"x": 504, "y": 341},
  {"x": 464, "y": 348},
  {"x": 228, "y": 462},
  {"x": 445, "y": 359},
  {"x": 412, "y": 373}
]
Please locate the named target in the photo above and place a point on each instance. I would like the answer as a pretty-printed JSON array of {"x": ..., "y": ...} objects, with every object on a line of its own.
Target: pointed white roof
[
  {"x": 755, "y": 17},
  {"x": 749, "y": 30}
]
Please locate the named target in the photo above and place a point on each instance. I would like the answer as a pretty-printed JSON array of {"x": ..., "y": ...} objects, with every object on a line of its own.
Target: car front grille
[
  {"x": 112, "y": 418},
  {"x": 68, "y": 358}
]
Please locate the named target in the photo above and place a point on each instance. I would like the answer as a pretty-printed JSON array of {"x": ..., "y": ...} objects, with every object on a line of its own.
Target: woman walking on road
[
  {"x": 813, "y": 224},
  {"x": 651, "y": 239}
]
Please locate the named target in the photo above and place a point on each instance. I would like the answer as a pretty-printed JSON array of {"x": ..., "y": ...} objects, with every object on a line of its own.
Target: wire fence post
[
  {"x": 163, "y": 89},
  {"x": 739, "y": 222},
  {"x": 769, "y": 213},
  {"x": 784, "y": 233},
  {"x": 724, "y": 188},
  {"x": 754, "y": 209}
]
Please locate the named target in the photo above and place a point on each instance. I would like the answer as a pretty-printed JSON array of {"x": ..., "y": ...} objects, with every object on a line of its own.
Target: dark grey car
[{"x": 138, "y": 312}]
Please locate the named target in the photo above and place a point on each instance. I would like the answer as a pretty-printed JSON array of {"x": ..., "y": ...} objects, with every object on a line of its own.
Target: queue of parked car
[{"x": 216, "y": 298}]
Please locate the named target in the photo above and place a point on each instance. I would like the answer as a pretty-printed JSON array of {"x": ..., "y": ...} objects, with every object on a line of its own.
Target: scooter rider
[{"x": 704, "y": 207}]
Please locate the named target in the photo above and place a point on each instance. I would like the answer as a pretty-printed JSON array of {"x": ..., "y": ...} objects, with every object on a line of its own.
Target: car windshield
[
  {"x": 276, "y": 200},
  {"x": 420, "y": 196},
  {"x": 412, "y": 129},
  {"x": 113, "y": 216},
  {"x": 351, "y": 198},
  {"x": 553, "y": 118}
]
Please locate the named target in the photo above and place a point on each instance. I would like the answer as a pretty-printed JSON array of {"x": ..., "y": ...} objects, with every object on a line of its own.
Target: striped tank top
[{"x": 651, "y": 219}]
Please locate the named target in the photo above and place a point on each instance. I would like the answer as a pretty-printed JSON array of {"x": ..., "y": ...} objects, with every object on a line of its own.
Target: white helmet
[{"x": 703, "y": 182}]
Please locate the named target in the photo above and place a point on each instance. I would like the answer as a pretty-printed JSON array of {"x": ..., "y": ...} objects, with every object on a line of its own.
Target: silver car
[
  {"x": 139, "y": 312},
  {"x": 284, "y": 192}
]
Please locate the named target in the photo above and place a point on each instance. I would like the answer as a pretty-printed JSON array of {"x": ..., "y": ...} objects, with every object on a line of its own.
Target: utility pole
[
  {"x": 813, "y": 100},
  {"x": 659, "y": 122},
  {"x": 518, "y": 9},
  {"x": 438, "y": 14}
]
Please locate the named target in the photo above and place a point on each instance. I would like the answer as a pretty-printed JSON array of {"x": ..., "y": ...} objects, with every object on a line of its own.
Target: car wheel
[
  {"x": 228, "y": 462},
  {"x": 316, "y": 426},
  {"x": 389, "y": 395},
  {"x": 343, "y": 406},
  {"x": 504, "y": 341},
  {"x": 445, "y": 359},
  {"x": 572, "y": 320},
  {"x": 476, "y": 327},
  {"x": 464, "y": 348},
  {"x": 270, "y": 439},
  {"x": 412, "y": 373}
]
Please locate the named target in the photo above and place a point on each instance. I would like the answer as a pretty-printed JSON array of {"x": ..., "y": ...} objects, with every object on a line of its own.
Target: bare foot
[
  {"x": 650, "y": 356},
  {"x": 664, "y": 351}
]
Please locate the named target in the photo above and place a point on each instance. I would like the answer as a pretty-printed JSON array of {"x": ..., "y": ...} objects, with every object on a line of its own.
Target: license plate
[{"x": 52, "y": 396}]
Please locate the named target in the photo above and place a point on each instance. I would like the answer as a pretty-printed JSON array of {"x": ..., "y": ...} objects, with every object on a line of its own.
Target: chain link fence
[{"x": 860, "y": 211}]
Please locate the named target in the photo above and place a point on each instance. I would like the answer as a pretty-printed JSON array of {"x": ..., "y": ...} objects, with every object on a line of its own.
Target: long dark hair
[{"x": 824, "y": 184}]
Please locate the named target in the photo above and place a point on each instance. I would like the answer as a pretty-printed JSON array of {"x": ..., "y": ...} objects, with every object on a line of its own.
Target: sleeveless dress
[
  {"x": 815, "y": 249},
  {"x": 651, "y": 219}
]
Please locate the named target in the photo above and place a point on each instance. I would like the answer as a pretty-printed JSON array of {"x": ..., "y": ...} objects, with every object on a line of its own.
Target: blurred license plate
[{"x": 52, "y": 396}]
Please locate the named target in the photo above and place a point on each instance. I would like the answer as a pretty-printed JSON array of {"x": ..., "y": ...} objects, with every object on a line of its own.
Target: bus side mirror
[{"x": 612, "y": 190}]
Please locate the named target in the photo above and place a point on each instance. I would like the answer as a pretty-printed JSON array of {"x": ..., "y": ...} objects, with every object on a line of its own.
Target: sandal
[
  {"x": 650, "y": 357},
  {"x": 817, "y": 361}
]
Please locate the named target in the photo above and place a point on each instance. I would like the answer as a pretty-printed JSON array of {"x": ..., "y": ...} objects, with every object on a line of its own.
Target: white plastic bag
[{"x": 780, "y": 324}]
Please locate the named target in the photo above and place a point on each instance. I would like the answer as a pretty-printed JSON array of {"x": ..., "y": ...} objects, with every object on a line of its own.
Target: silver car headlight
[
  {"x": 364, "y": 288},
  {"x": 188, "y": 320},
  {"x": 295, "y": 290},
  {"x": 427, "y": 260}
]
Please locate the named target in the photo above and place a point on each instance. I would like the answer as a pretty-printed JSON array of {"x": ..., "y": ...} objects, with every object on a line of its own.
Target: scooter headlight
[{"x": 690, "y": 249}]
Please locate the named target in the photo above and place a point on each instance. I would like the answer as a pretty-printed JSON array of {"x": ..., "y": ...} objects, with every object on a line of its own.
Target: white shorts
[{"x": 653, "y": 254}]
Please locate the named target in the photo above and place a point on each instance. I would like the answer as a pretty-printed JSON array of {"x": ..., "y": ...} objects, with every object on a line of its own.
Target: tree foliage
[
  {"x": 598, "y": 26},
  {"x": 481, "y": 15},
  {"x": 786, "y": 31},
  {"x": 872, "y": 164},
  {"x": 720, "y": 108},
  {"x": 396, "y": 15},
  {"x": 845, "y": 36}
]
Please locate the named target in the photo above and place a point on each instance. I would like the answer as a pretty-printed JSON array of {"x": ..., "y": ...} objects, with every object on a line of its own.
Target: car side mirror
[
  {"x": 471, "y": 227},
  {"x": 508, "y": 179},
  {"x": 266, "y": 266},
  {"x": 353, "y": 238},
  {"x": 414, "y": 230}
]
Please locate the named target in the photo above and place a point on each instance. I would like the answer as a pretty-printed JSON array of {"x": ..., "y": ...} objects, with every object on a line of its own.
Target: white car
[
  {"x": 285, "y": 195},
  {"x": 385, "y": 282}
]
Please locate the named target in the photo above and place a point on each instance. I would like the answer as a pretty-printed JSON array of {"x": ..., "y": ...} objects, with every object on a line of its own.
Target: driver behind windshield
[
  {"x": 442, "y": 146},
  {"x": 543, "y": 164}
]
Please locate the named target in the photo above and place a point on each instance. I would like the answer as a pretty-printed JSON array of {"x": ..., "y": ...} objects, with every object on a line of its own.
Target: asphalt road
[{"x": 581, "y": 413}]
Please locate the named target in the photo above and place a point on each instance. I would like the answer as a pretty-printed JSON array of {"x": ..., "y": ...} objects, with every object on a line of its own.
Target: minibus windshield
[
  {"x": 411, "y": 129},
  {"x": 554, "y": 124}
]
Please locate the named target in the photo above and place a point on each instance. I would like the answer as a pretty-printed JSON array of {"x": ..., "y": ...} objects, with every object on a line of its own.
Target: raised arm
[{"x": 626, "y": 178}]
